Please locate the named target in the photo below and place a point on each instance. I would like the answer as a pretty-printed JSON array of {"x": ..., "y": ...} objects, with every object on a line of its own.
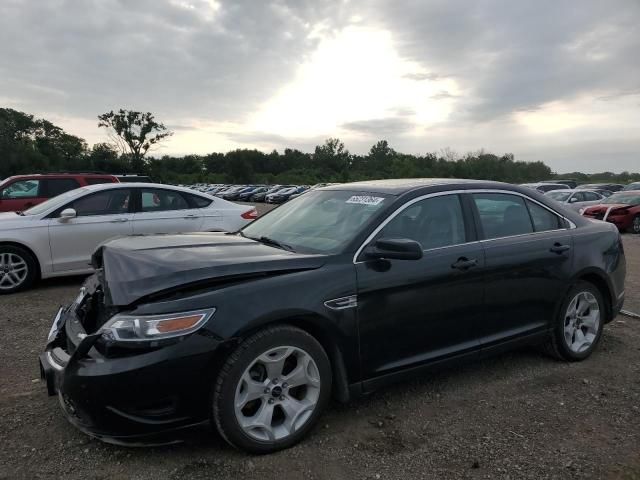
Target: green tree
[
  {"x": 135, "y": 133},
  {"x": 332, "y": 159},
  {"x": 103, "y": 157}
]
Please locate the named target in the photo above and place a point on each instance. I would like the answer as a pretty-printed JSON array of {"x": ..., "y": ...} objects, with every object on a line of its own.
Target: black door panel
[
  {"x": 412, "y": 312},
  {"x": 528, "y": 264},
  {"x": 526, "y": 278}
]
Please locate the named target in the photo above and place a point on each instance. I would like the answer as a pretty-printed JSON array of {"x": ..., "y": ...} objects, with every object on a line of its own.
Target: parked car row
[
  {"x": 256, "y": 193},
  {"x": 605, "y": 189},
  {"x": 621, "y": 208}
]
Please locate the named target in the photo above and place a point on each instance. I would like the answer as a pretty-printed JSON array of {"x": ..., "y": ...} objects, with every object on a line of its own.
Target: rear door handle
[
  {"x": 191, "y": 217},
  {"x": 120, "y": 220},
  {"x": 559, "y": 248},
  {"x": 463, "y": 263}
]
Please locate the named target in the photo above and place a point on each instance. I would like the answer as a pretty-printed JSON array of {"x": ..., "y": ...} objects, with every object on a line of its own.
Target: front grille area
[{"x": 93, "y": 313}]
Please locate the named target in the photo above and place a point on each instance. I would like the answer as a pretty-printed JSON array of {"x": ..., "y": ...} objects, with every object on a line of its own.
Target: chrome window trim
[{"x": 572, "y": 225}]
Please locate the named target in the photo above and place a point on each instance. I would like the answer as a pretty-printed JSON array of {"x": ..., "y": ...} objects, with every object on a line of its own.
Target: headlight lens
[{"x": 136, "y": 328}]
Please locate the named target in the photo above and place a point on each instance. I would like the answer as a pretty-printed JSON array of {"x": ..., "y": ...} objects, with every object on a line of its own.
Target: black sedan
[{"x": 336, "y": 293}]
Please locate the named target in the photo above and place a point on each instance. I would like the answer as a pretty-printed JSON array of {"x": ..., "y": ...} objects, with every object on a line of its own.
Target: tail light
[{"x": 250, "y": 214}]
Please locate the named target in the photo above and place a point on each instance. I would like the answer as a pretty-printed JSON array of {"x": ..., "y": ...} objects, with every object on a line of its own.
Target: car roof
[
  {"x": 404, "y": 185},
  {"x": 109, "y": 186},
  {"x": 29, "y": 176},
  {"x": 573, "y": 190},
  {"x": 548, "y": 184}
]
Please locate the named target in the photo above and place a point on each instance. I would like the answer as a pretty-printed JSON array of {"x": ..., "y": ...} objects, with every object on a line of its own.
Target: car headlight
[{"x": 136, "y": 328}]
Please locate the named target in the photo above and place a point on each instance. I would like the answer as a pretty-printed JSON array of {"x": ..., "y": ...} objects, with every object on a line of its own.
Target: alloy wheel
[
  {"x": 277, "y": 393},
  {"x": 13, "y": 271},
  {"x": 581, "y": 322},
  {"x": 636, "y": 225}
]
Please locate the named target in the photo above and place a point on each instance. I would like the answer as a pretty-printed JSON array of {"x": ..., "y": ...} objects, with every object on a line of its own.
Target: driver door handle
[
  {"x": 463, "y": 263},
  {"x": 120, "y": 220},
  {"x": 559, "y": 248},
  {"x": 191, "y": 217}
]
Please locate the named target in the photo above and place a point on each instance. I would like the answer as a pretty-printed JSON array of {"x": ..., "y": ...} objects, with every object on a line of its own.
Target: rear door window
[
  {"x": 198, "y": 202},
  {"x": 56, "y": 186},
  {"x": 502, "y": 214},
  {"x": 158, "y": 200},
  {"x": 543, "y": 219},
  {"x": 591, "y": 196},
  {"x": 97, "y": 180}
]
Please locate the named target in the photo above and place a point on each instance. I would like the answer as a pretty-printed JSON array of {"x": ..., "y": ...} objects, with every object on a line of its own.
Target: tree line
[{"x": 32, "y": 145}]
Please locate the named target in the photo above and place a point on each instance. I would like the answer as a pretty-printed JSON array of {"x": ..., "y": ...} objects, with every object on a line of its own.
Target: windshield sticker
[{"x": 365, "y": 200}]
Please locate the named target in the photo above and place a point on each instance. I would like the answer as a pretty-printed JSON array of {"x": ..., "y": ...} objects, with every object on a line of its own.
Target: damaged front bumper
[{"x": 140, "y": 397}]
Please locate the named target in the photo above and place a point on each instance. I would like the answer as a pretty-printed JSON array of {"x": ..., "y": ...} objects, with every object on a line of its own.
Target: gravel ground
[{"x": 520, "y": 415}]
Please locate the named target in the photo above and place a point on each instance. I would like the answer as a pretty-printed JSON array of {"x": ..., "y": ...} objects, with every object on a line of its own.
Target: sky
[{"x": 557, "y": 81}]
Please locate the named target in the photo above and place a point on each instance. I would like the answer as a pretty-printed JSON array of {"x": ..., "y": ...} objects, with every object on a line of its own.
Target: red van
[{"x": 22, "y": 192}]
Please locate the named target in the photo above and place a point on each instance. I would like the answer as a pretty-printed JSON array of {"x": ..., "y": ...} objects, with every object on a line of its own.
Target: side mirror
[
  {"x": 573, "y": 199},
  {"x": 395, "y": 249},
  {"x": 67, "y": 214}
]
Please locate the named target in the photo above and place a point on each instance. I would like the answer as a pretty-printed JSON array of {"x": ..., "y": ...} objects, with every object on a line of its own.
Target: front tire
[
  {"x": 578, "y": 327},
  {"x": 18, "y": 269},
  {"x": 271, "y": 390}
]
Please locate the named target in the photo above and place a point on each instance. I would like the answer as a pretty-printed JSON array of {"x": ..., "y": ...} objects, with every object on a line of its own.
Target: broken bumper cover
[{"x": 139, "y": 398}]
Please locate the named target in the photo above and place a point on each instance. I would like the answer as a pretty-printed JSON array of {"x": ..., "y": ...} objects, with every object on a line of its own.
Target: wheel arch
[
  {"x": 29, "y": 250},
  {"x": 316, "y": 326},
  {"x": 598, "y": 279}
]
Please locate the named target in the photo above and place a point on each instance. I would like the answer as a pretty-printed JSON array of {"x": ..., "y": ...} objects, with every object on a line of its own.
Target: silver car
[{"x": 576, "y": 199}]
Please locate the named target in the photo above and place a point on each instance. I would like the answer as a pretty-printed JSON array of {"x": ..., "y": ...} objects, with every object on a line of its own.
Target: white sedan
[
  {"x": 578, "y": 199},
  {"x": 58, "y": 237}
]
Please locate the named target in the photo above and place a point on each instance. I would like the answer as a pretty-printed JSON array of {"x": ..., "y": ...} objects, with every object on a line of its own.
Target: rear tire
[
  {"x": 271, "y": 390},
  {"x": 578, "y": 328},
  {"x": 635, "y": 225},
  {"x": 18, "y": 269}
]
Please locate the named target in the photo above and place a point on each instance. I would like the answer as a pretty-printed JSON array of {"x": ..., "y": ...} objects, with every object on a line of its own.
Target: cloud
[
  {"x": 380, "y": 127},
  {"x": 179, "y": 58},
  {"x": 417, "y": 76},
  {"x": 513, "y": 55},
  {"x": 442, "y": 95},
  {"x": 499, "y": 74}
]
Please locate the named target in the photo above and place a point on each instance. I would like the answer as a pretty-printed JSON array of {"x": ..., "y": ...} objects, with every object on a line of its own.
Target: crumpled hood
[
  {"x": 137, "y": 266},
  {"x": 603, "y": 207}
]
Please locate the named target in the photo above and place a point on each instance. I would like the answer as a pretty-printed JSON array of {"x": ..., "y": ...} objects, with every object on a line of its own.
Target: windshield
[
  {"x": 632, "y": 186},
  {"x": 560, "y": 196},
  {"x": 55, "y": 202},
  {"x": 321, "y": 221},
  {"x": 631, "y": 198}
]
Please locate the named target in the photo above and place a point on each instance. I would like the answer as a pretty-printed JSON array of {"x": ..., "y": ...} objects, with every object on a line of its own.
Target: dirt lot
[{"x": 520, "y": 415}]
